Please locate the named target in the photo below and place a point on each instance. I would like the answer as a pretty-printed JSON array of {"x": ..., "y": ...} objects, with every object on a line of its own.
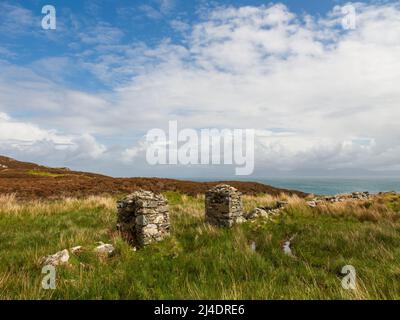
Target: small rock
[
  {"x": 253, "y": 246},
  {"x": 76, "y": 250},
  {"x": 150, "y": 230},
  {"x": 266, "y": 212},
  {"x": 312, "y": 204},
  {"x": 257, "y": 212},
  {"x": 105, "y": 248},
  {"x": 282, "y": 204},
  {"x": 56, "y": 259},
  {"x": 240, "y": 220}
]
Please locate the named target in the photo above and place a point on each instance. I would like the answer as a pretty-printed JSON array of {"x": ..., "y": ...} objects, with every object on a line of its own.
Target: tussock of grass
[
  {"x": 363, "y": 211},
  {"x": 199, "y": 260},
  {"x": 10, "y": 206}
]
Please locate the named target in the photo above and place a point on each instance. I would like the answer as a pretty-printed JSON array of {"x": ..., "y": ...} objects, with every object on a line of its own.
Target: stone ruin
[
  {"x": 267, "y": 211},
  {"x": 345, "y": 197},
  {"x": 143, "y": 217},
  {"x": 224, "y": 206}
]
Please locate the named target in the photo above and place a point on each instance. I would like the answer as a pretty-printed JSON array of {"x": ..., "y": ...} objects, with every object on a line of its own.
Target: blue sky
[
  {"x": 85, "y": 95},
  {"x": 83, "y": 25}
]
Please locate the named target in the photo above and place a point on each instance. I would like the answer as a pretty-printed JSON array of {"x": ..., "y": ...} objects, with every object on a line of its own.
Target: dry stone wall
[
  {"x": 223, "y": 205},
  {"x": 345, "y": 197},
  {"x": 266, "y": 212},
  {"x": 143, "y": 217}
]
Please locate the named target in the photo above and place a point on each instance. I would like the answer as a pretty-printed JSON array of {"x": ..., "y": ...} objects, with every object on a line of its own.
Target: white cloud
[
  {"x": 17, "y": 137},
  {"x": 321, "y": 97},
  {"x": 12, "y": 131},
  {"x": 6, "y": 53},
  {"x": 159, "y": 8},
  {"x": 101, "y": 33}
]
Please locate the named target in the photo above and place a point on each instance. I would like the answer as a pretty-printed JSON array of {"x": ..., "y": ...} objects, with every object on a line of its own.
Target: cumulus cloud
[
  {"x": 319, "y": 96},
  {"x": 101, "y": 33},
  {"x": 26, "y": 133},
  {"x": 265, "y": 68},
  {"x": 26, "y": 140}
]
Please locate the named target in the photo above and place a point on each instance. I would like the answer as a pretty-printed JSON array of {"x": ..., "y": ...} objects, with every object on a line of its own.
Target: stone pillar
[
  {"x": 224, "y": 206},
  {"x": 143, "y": 217}
]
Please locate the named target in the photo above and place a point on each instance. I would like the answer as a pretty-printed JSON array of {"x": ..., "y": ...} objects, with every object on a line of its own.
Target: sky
[{"x": 322, "y": 97}]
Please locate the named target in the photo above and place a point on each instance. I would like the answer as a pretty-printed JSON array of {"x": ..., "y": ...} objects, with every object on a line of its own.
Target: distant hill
[{"x": 29, "y": 181}]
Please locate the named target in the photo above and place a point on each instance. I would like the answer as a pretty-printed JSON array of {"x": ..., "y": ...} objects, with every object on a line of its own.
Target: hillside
[{"x": 29, "y": 181}]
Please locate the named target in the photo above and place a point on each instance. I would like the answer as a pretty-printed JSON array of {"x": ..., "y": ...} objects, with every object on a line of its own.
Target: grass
[
  {"x": 44, "y": 174},
  {"x": 199, "y": 261}
]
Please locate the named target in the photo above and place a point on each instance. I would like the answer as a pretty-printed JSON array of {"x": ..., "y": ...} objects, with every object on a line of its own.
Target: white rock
[
  {"x": 311, "y": 204},
  {"x": 150, "y": 229},
  {"x": 240, "y": 220},
  {"x": 75, "y": 250},
  {"x": 257, "y": 212},
  {"x": 56, "y": 259},
  {"x": 105, "y": 248},
  {"x": 141, "y": 220}
]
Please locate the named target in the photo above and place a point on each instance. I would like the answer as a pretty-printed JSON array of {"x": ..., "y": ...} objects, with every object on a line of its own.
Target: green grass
[
  {"x": 392, "y": 200},
  {"x": 44, "y": 174},
  {"x": 199, "y": 261}
]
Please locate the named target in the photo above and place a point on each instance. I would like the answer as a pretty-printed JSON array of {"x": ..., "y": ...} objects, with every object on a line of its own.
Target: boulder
[{"x": 59, "y": 258}]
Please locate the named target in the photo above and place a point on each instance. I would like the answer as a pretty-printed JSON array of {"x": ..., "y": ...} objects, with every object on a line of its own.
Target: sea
[{"x": 328, "y": 185}]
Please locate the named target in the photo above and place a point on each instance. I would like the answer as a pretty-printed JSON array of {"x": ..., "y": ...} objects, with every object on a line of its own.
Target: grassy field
[{"x": 199, "y": 261}]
